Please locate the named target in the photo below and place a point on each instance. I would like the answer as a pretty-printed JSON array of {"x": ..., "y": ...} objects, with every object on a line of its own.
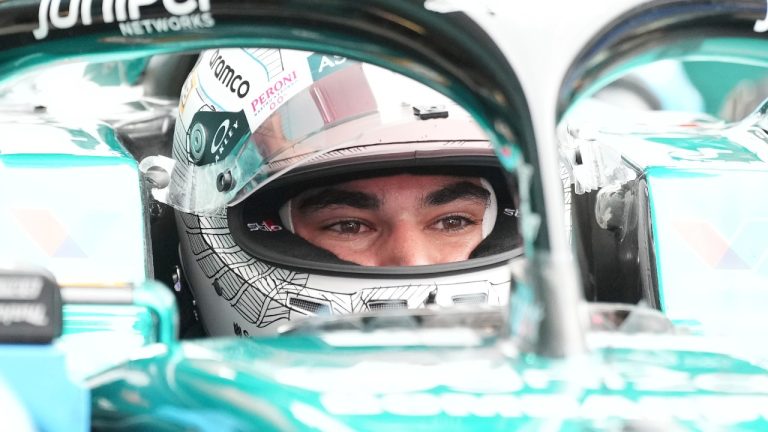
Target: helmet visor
[{"x": 248, "y": 116}]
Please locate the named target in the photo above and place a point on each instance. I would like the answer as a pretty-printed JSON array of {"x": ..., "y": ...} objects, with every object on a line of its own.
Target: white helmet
[{"x": 256, "y": 127}]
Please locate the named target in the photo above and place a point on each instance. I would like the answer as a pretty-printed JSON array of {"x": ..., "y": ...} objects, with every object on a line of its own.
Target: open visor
[{"x": 248, "y": 116}]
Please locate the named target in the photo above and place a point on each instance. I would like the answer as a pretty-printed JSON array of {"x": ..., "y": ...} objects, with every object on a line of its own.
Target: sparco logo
[
  {"x": 266, "y": 225},
  {"x": 188, "y": 15},
  {"x": 227, "y": 76}
]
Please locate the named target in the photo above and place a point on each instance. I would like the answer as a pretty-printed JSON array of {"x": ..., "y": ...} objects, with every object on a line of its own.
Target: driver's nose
[{"x": 406, "y": 245}]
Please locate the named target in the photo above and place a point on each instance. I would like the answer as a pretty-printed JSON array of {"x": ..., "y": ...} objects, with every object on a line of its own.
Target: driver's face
[{"x": 399, "y": 220}]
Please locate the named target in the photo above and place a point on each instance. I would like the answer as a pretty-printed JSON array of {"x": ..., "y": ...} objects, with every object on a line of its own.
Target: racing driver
[{"x": 328, "y": 188}]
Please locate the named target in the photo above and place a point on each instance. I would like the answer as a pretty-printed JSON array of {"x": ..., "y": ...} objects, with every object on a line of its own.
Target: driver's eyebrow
[
  {"x": 456, "y": 191},
  {"x": 333, "y": 196}
]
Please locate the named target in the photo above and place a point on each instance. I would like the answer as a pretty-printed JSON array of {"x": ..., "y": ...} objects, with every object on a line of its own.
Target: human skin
[{"x": 399, "y": 220}]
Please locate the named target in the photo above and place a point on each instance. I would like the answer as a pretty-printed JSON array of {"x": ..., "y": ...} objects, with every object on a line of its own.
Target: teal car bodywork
[
  {"x": 678, "y": 191},
  {"x": 550, "y": 362},
  {"x": 76, "y": 207},
  {"x": 72, "y": 203},
  {"x": 363, "y": 381},
  {"x": 704, "y": 236}
]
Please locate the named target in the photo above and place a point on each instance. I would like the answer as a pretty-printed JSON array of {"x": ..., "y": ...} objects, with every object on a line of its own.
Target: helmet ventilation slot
[
  {"x": 479, "y": 298},
  {"x": 310, "y": 306},
  {"x": 387, "y": 304}
]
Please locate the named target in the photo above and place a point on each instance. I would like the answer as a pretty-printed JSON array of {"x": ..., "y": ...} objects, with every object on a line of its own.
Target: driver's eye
[
  {"x": 453, "y": 223},
  {"x": 347, "y": 227}
]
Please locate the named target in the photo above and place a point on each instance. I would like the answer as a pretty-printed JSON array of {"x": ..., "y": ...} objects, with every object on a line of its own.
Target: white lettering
[
  {"x": 207, "y": 19},
  {"x": 85, "y": 12},
  {"x": 124, "y": 11},
  {"x": 120, "y": 10},
  {"x": 31, "y": 313},
  {"x": 762, "y": 25},
  {"x": 20, "y": 288},
  {"x": 324, "y": 63},
  {"x": 181, "y": 8},
  {"x": 125, "y": 29},
  {"x": 173, "y": 23},
  {"x": 160, "y": 25},
  {"x": 136, "y": 26},
  {"x": 134, "y": 5},
  {"x": 327, "y": 62},
  {"x": 64, "y": 22},
  {"x": 106, "y": 11},
  {"x": 186, "y": 22},
  {"x": 42, "y": 21}
]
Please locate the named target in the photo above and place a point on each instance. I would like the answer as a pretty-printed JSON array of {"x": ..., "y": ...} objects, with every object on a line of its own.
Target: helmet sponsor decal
[
  {"x": 273, "y": 95},
  {"x": 227, "y": 76},
  {"x": 256, "y": 80},
  {"x": 266, "y": 225},
  {"x": 213, "y": 135},
  {"x": 185, "y": 15},
  {"x": 321, "y": 65}
]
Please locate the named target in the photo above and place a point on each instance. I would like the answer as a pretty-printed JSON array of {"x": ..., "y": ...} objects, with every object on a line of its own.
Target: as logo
[
  {"x": 266, "y": 225},
  {"x": 186, "y": 14},
  {"x": 323, "y": 65},
  {"x": 226, "y": 75}
]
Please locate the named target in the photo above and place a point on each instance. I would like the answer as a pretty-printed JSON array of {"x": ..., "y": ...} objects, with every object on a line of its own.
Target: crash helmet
[{"x": 258, "y": 128}]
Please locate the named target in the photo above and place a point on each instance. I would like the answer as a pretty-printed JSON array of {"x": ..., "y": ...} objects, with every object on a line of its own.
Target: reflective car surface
[{"x": 181, "y": 310}]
